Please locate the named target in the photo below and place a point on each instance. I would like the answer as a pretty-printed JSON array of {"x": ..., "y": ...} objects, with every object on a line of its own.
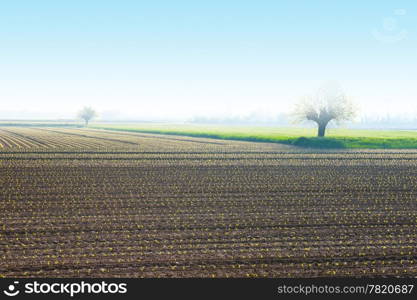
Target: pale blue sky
[{"x": 175, "y": 59}]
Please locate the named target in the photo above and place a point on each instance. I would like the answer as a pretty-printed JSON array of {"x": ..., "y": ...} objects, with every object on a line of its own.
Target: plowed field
[{"x": 95, "y": 203}]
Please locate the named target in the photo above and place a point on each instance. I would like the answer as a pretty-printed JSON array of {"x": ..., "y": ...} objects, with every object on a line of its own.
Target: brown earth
[{"x": 91, "y": 203}]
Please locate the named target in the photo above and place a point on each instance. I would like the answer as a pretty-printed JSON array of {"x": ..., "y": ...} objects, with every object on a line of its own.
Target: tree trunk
[
  {"x": 86, "y": 123},
  {"x": 322, "y": 129}
]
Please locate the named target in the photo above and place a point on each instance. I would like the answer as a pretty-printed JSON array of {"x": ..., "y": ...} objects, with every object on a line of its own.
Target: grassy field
[{"x": 305, "y": 137}]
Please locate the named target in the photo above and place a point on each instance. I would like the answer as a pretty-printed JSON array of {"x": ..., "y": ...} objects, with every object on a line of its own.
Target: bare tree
[
  {"x": 330, "y": 103},
  {"x": 87, "y": 113}
]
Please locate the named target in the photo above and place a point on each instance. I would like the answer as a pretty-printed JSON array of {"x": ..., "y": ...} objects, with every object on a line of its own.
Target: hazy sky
[{"x": 175, "y": 59}]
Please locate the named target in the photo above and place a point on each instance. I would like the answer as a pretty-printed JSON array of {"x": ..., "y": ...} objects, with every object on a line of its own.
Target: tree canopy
[
  {"x": 329, "y": 103},
  {"x": 86, "y": 114}
]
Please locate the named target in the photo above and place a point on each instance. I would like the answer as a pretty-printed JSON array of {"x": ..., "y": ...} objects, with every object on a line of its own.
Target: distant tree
[
  {"x": 86, "y": 114},
  {"x": 330, "y": 103}
]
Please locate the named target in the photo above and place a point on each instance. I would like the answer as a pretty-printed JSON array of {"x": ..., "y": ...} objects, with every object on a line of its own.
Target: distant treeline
[
  {"x": 33, "y": 124},
  {"x": 384, "y": 122},
  {"x": 251, "y": 119}
]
